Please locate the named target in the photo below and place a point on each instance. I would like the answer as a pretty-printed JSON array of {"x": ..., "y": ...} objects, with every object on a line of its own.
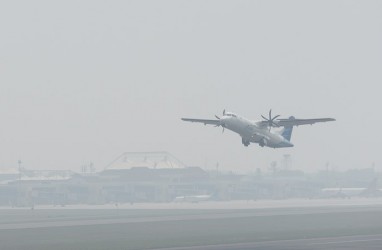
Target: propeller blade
[
  {"x": 217, "y": 117},
  {"x": 275, "y": 124},
  {"x": 275, "y": 117},
  {"x": 264, "y": 118},
  {"x": 223, "y": 111},
  {"x": 270, "y": 114}
]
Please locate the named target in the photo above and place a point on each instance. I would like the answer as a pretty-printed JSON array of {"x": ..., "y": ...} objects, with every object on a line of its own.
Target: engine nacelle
[{"x": 263, "y": 142}]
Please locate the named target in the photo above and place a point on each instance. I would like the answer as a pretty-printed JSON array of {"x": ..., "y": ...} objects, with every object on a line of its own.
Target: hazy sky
[{"x": 84, "y": 81}]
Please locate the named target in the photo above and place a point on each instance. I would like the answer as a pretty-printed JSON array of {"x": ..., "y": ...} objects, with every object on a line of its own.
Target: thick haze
[{"x": 84, "y": 81}]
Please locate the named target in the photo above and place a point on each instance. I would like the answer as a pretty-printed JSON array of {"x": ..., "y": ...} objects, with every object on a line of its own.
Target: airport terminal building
[{"x": 156, "y": 177}]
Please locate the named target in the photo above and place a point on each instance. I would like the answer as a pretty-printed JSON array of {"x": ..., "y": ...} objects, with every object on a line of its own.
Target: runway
[
  {"x": 126, "y": 217},
  {"x": 355, "y": 242},
  {"x": 316, "y": 227}
]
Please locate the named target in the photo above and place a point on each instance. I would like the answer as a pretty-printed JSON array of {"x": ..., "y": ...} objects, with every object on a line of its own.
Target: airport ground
[{"x": 304, "y": 224}]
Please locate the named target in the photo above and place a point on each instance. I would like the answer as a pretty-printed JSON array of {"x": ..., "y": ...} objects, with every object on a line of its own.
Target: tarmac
[
  {"x": 355, "y": 242},
  {"x": 287, "y": 224}
]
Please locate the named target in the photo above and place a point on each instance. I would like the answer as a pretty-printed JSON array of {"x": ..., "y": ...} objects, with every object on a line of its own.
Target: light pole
[{"x": 19, "y": 164}]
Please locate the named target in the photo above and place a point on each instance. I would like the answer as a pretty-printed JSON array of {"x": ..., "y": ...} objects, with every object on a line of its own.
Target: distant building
[{"x": 159, "y": 177}]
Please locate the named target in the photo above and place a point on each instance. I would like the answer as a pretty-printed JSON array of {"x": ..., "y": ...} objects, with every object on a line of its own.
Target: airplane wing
[
  {"x": 291, "y": 121},
  {"x": 204, "y": 121}
]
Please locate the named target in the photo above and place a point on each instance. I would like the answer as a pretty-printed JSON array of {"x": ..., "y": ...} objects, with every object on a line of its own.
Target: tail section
[{"x": 287, "y": 131}]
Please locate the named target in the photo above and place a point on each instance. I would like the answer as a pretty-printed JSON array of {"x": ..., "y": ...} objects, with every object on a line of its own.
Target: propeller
[
  {"x": 270, "y": 120},
  {"x": 220, "y": 123}
]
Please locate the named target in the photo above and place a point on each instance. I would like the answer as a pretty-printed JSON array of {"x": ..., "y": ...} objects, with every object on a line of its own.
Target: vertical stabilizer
[{"x": 287, "y": 131}]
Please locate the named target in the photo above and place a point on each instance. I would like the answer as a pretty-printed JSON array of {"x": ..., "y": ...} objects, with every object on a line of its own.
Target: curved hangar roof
[{"x": 152, "y": 160}]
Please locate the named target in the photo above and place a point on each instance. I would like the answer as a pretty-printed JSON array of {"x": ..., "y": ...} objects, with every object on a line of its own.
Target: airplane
[
  {"x": 260, "y": 132},
  {"x": 371, "y": 190},
  {"x": 192, "y": 198}
]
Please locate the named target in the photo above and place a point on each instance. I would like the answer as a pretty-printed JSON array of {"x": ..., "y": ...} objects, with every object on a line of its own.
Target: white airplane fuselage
[{"x": 251, "y": 131}]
